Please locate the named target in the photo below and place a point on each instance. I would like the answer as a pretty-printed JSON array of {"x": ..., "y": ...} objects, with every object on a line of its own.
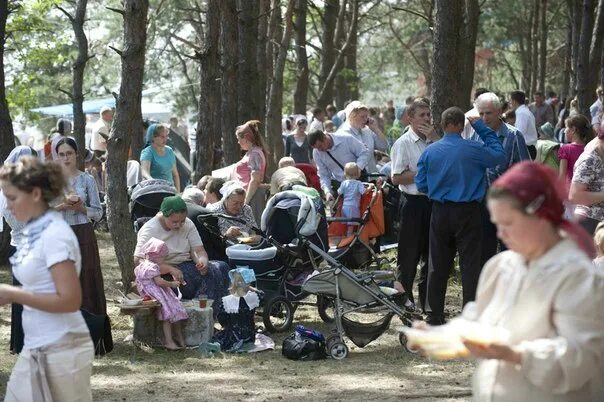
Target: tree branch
[
  {"x": 186, "y": 42},
  {"x": 407, "y": 10},
  {"x": 66, "y": 93},
  {"x": 117, "y": 51},
  {"x": 116, "y": 10},
  {"x": 67, "y": 14}
]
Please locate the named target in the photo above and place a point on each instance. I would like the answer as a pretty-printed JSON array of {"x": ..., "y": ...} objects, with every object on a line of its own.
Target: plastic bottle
[{"x": 309, "y": 333}]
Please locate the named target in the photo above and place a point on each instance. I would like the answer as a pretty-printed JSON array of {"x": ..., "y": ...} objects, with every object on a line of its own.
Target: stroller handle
[{"x": 203, "y": 217}]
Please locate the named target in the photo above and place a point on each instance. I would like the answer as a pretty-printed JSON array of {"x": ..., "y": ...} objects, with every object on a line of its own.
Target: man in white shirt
[
  {"x": 525, "y": 121},
  {"x": 318, "y": 119},
  {"x": 468, "y": 131},
  {"x": 100, "y": 131},
  {"x": 416, "y": 210}
]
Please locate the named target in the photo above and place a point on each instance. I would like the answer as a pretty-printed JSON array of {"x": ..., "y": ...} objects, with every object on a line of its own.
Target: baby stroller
[
  {"x": 280, "y": 266},
  {"x": 349, "y": 294},
  {"x": 358, "y": 251},
  {"x": 146, "y": 198}
]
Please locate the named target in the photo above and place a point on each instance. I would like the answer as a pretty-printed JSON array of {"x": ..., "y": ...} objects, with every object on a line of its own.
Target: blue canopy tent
[{"x": 89, "y": 106}]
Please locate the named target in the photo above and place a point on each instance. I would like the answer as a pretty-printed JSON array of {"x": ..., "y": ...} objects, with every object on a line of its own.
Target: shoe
[{"x": 435, "y": 320}]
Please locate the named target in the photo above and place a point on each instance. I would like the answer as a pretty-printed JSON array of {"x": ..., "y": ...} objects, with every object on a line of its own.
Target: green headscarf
[{"x": 172, "y": 205}]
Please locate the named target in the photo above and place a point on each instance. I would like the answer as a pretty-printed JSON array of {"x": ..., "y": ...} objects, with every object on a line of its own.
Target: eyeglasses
[{"x": 64, "y": 155}]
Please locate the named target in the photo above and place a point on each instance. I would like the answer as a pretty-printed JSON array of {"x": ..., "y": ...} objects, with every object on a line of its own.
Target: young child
[
  {"x": 236, "y": 311},
  {"x": 329, "y": 126},
  {"x": 599, "y": 243},
  {"x": 578, "y": 133},
  {"x": 351, "y": 190},
  {"x": 150, "y": 283}
]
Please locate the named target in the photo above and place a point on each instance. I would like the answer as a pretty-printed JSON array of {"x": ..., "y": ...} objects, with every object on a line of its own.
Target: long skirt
[
  {"x": 214, "y": 284},
  {"x": 16, "y": 324},
  {"x": 91, "y": 279},
  {"x": 258, "y": 203},
  {"x": 60, "y": 371}
]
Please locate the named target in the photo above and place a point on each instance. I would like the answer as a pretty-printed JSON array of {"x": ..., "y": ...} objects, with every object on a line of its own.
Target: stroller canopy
[
  {"x": 150, "y": 193},
  {"x": 308, "y": 216}
]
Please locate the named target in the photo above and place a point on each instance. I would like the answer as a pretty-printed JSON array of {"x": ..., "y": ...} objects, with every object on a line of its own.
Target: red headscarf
[{"x": 537, "y": 187}]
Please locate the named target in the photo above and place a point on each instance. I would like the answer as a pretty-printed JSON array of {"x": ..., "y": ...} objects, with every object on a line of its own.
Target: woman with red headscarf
[
  {"x": 250, "y": 170},
  {"x": 543, "y": 291}
]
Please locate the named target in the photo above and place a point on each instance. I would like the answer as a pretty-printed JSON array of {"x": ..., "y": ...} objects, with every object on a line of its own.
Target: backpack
[{"x": 299, "y": 347}]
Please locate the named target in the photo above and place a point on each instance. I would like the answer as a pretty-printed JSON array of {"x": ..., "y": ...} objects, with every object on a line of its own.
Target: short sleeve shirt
[
  {"x": 161, "y": 166},
  {"x": 590, "y": 171},
  {"x": 352, "y": 191},
  {"x": 179, "y": 242},
  {"x": 46, "y": 242}
]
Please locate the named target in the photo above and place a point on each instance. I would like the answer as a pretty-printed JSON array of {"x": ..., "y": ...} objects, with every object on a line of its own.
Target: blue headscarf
[
  {"x": 399, "y": 111},
  {"x": 150, "y": 132},
  {"x": 246, "y": 273},
  {"x": 19, "y": 152}
]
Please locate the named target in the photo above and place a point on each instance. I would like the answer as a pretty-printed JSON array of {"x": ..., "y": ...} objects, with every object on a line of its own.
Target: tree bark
[
  {"x": 568, "y": 69},
  {"x": 261, "y": 55},
  {"x": 587, "y": 23},
  {"x": 528, "y": 55},
  {"x": 126, "y": 124},
  {"x": 543, "y": 48},
  {"x": 328, "y": 57},
  {"x": 467, "y": 46},
  {"x": 7, "y": 135},
  {"x": 575, "y": 11},
  {"x": 247, "y": 97},
  {"x": 228, "y": 45},
  {"x": 301, "y": 91},
  {"x": 208, "y": 127},
  {"x": 77, "y": 95},
  {"x": 445, "y": 73},
  {"x": 275, "y": 99},
  {"x": 535, "y": 55},
  {"x": 595, "y": 53}
]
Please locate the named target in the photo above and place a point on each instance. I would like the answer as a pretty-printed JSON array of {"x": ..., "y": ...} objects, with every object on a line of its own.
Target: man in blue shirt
[
  {"x": 452, "y": 172},
  {"x": 488, "y": 106}
]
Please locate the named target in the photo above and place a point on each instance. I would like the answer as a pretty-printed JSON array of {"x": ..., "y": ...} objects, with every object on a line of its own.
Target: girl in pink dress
[
  {"x": 578, "y": 133},
  {"x": 150, "y": 283}
]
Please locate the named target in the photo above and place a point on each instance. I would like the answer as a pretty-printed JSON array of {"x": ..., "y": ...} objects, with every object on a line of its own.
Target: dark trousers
[
  {"x": 413, "y": 242},
  {"x": 589, "y": 224},
  {"x": 532, "y": 151},
  {"x": 454, "y": 226},
  {"x": 16, "y": 324},
  {"x": 489, "y": 237}
]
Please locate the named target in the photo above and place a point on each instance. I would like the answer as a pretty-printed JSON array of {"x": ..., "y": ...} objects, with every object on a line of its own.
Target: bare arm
[
  {"x": 66, "y": 299},
  {"x": 404, "y": 178},
  {"x": 159, "y": 281},
  {"x": 176, "y": 178},
  {"x": 579, "y": 195},
  {"x": 563, "y": 167},
  {"x": 146, "y": 169},
  {"x": 254, "y": 184}
]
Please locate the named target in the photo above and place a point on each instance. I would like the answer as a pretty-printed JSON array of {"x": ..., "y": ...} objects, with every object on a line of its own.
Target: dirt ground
[{"x": 380, "y": 371}]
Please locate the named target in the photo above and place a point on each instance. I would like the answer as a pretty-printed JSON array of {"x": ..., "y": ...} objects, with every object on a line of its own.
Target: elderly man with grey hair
[
  {"x": 193, "y": 195},
  {"x": 514, "y": 146}
]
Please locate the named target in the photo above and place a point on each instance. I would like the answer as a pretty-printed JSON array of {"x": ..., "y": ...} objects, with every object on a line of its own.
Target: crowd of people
[{"x": 482, "y": 186}]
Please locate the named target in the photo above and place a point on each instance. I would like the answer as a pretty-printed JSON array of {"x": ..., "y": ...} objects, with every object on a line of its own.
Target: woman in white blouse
[
  {"x": 80, "y": 207},
  {"x": 544, "y": 291},
  {"x": 56, "y": 360}
]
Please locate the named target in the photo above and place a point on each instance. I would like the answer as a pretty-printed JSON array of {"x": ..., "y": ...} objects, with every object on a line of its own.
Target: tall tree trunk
[
  {"x": 445, "y": 83},
  {"x": 77, "y": 95},
  {"x": 543, "y": 48},
  {"x": 275, "y": 102},
  {"x": 467, "y": 46},
  {"x": 323, "y": 99},
  {"x": 301, "y": 91},
  {"x": 596, "y": 50},
  {"x": 587, "y": 23},
  {"x": 347, "y": 80},
  {"x": 274, "y": 35},
  {"x": 208, "y": 128},
  {"x": 261, "y": 47},
  {"x": 575, "y": 10},
  {"x": 7, "y": 136},
  {"x": 528, "y": 74},
  {"x": 535, "y": 55},
  {"x": 247, "y": 98},
  {"x": 328, "y": 57},
  {"x": 566, "y": 77},
  {"x": 228, "y": 45},
  {"x": 128, "y": 122}
]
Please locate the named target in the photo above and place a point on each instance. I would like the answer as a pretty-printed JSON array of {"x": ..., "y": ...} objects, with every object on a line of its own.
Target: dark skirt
[
  {"x": 16, "y": 324},
  {"x": 91, "y": 277}
]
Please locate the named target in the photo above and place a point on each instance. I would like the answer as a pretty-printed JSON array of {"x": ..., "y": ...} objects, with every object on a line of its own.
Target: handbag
[{"x": 299, "y": 347}]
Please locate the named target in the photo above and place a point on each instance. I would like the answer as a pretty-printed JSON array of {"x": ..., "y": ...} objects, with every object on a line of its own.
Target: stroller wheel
[
  {"x": 326, "y": 307},
  {"x": 402, "y": 338},
  {"x": 278, "y": 314},
  {"x": 336, "y": 348}
]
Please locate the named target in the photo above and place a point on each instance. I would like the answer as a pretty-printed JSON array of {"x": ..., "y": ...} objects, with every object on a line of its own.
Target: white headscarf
[{"x": 229, "y": 187}]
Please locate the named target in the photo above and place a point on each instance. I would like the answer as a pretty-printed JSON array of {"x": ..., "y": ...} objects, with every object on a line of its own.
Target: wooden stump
[{"x": 198, "y": 328}]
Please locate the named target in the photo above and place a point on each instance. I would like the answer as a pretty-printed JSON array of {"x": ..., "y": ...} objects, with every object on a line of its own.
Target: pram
[
  {"x": 281, "y": 267},
  {"x": 358, "y": 251},
  {"x": 350, "y": 293},
  {"x": 146, "y": 198}
]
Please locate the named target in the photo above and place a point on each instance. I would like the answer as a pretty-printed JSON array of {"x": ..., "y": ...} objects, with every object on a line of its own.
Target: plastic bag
[{"x": 299, "y": 347}]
